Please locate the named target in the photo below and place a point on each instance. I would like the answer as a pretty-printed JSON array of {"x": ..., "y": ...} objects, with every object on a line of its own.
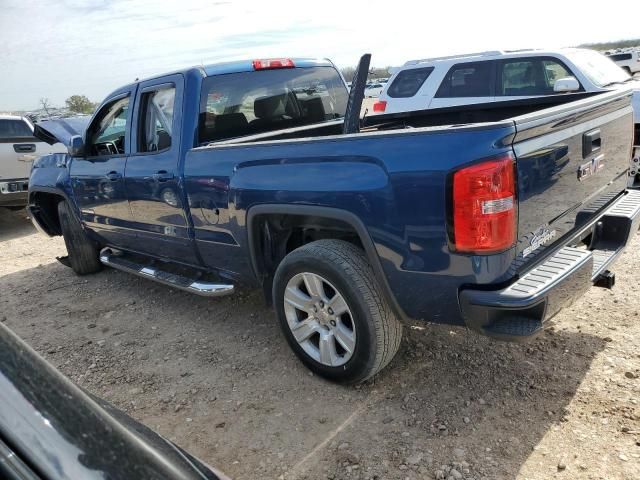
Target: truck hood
[{"x": 60, "y": 130}]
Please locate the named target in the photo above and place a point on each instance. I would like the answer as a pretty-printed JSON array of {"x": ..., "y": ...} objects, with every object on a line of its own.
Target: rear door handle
[
  {"x": 24, "y": 147},
  {"x": 591, "y": 142},
  {"x": 113, "y": 176},
  {"x": 162, "y": 176}
]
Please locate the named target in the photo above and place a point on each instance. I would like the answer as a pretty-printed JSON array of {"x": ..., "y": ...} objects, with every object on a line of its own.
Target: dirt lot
[{"x": 216, "y": 377}]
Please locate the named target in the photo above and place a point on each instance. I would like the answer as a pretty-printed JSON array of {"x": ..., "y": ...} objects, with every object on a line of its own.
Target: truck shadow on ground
[
  {"x": 217, "y": 377},
  {"x": 14, "y": 224}
]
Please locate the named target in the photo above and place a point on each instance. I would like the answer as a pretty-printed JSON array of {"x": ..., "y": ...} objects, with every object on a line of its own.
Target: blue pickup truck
[{"x": 493, "y": 217}]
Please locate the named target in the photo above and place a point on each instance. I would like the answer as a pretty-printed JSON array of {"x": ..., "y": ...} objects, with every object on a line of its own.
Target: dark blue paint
[
  {"x": 152, "y": 182},
  {"x": 395, "y": 183},
  {"x": 549, "y": 154}
]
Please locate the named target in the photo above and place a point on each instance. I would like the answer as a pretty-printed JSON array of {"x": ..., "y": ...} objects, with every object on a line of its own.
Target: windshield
[
  {"x": 596, "y": 67},
  {"x": 239, "y": 104}
]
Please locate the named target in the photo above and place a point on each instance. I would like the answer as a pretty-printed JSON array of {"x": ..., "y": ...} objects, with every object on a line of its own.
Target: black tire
[
  {"x": 628, "y": 70},
  {"x": 83, "y": 251},
  {"x": 377, "y": 331}
]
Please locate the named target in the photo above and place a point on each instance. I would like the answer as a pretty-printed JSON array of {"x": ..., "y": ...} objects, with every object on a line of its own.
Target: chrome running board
[{"x": 203, "y": 288}]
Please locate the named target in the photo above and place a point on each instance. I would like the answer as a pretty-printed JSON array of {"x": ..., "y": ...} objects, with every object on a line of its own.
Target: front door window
[{"x": 107, "y": 134}]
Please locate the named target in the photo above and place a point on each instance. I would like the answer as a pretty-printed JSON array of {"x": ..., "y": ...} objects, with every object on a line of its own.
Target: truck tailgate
[{"x": 572, "y": 160}]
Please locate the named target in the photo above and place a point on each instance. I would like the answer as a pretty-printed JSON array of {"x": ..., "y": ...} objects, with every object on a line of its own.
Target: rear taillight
[
  {"x": 484, "y": 206},
  {"x": 271, "y": 63},
  {"x": 380, "y": 106}
]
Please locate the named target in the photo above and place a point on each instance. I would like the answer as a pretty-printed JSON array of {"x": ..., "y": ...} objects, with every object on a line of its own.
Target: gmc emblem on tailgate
[{"x": 590, "y": 168}]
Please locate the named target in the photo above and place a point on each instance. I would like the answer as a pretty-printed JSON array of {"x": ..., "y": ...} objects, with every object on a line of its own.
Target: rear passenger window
[
  {"x": 467, "y": 80},
  {"x": 14, "y": 129},
  {"x": 408, "y": 82},
  {"x": 524, "y": 77},
  {"x": 157, "y": 120}
]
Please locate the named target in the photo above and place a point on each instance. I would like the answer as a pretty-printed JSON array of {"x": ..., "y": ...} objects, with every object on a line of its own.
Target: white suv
[
  {"x": 500, "y": 76},
  {"x": 628, "y": 60}
]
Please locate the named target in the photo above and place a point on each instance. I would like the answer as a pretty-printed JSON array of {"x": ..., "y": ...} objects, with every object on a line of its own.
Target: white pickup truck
[{"x": 18, "y": 149}]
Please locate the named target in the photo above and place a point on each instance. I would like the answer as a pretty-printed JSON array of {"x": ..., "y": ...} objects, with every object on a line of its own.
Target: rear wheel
[
  {"x": 332, "y": 312},
  {"x": 83, "y": 251},
  {"x": 628, "y": 70}
]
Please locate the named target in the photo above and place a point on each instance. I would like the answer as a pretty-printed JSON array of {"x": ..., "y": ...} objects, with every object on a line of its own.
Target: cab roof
[
  {"x": 247, "y": 65},
  {"x": 237, "y": 66}
]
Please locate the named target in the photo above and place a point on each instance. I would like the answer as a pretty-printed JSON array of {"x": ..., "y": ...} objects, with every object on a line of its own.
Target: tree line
[
  {"x": 75, "y": 104},
  {"x": 634, "y": 42}
]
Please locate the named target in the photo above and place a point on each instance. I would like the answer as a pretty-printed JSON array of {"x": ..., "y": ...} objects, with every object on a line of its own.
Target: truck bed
[
  {"x": 394, "y": 177},
  {"x": 437, "y": 117}
]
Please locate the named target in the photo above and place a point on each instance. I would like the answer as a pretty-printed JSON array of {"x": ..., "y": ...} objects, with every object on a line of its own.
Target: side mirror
[
  {"x": 566, "y": 84},
  {"x": 75, "y": 146}
]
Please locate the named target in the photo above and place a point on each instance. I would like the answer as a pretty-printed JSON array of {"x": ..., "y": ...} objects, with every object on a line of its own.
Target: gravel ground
[{"x": 217, "y": 377}]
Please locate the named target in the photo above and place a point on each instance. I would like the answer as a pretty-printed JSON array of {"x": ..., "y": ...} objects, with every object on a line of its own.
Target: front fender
[
  {"x": 49, "y": 183},
  {"x": 50, "y": 173}
]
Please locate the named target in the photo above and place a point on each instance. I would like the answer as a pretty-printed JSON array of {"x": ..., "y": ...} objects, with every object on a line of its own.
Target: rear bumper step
[
  {"x": 207, "y": 289},
  {"x": 519, "y": 311}
]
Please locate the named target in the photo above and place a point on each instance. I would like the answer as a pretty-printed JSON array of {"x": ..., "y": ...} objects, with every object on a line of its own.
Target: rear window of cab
[
  {"x": 408, "y": 82},
  {"x": 246, "y": 103}
]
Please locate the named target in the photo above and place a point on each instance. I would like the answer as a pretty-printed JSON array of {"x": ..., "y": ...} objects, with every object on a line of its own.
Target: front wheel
[
  {"x": 83, "y": 251},
  {"x": 332, "y": 312}
]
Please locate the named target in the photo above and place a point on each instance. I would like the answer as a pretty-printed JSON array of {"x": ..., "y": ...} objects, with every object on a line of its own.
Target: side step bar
[{"x": 206, "y": 289}]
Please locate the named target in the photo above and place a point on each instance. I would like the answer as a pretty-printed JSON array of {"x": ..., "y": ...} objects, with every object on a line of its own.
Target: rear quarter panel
[{"x": 395, "y": 183}]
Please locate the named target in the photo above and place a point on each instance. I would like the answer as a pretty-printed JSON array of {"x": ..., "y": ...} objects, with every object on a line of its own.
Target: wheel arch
[
  {"x": 43, "y": 208},
  {"x": 333, "y": 219}
]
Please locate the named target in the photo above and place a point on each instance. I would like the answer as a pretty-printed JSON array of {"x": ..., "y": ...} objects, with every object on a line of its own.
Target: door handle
[
  {"x": 162, "y": 176},
  {"x": 24, "y": 147},
  {"x": 113, "y": 176},
  {"x": 591, "y": 142}
]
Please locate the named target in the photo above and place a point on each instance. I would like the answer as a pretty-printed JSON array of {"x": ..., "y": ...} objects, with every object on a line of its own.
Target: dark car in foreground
[
  {"x": 52, "y": 430},
  {"x": 493, "y": 216}
]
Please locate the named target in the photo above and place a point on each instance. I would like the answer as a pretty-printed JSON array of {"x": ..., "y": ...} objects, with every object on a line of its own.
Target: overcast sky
[{"x": 57, "y": 48}]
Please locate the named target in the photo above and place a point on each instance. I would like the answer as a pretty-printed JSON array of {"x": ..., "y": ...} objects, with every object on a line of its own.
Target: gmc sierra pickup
[{"x": 259, "y": 173}]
